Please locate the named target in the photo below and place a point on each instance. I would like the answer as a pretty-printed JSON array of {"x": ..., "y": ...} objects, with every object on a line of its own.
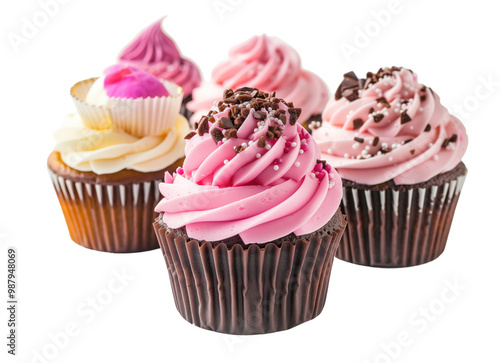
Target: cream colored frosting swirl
[{"x": 111, "y": 150}]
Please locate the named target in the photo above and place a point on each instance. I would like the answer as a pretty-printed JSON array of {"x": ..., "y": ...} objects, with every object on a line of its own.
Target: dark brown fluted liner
[
  {"x": 111, "y": 218},
  {"x": 390, "y": 228},
  {"x": 248, "y": 289}
]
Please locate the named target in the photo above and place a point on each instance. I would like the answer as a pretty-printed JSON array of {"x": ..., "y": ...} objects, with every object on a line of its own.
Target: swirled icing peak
[
  {"x": 389, "y": 127},
  {"x": 158, "y": 54},
  {"x": 250, "y": 170},
  {"x": 269, "y": 64}
]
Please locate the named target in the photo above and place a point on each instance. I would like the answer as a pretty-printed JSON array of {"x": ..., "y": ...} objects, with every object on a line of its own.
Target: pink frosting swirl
[
  {"x": 156, "y": 53},
  {"x": 389, "y": 126},
  {"x": 266, "y": 63},
  {"x": 250, "y": 170}
]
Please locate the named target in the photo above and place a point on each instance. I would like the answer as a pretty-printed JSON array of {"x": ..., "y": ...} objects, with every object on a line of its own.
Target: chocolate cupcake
[
  {"x": 271, "y": 65},
  {"x": 155, "y": 52},
  {"x": 250, "y": 224},
  {"x": 112, "y": 154},
  {"x": 398, "y": 151}
]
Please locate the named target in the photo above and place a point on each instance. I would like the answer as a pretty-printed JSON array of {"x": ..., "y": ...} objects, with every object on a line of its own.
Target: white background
[{"x": 452, "y": 46}]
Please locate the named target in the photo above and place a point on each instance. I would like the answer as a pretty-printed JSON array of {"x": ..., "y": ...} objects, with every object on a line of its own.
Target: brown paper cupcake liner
[
  {"x": 111, "y": 218},
  {"x": 248, "y": 289},
  {"x": 391, "y": 228}
]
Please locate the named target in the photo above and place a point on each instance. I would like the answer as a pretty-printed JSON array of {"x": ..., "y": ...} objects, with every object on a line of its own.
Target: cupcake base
[
  {"x": 112, "y": 212},
  {"x": 230, "y": 287},
  {"x": 184, "y": 111},
  {"x": 399, "y": 225}
]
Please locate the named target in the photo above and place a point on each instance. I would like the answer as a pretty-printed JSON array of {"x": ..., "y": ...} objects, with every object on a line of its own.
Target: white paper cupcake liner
[{"x": 139, "y": 117}]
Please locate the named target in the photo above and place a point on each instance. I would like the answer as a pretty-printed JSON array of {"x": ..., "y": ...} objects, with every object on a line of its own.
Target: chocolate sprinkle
[
  {"x": 190, "y": 135},
  {"x": 405, "y": 118},
  {"x": 259, "y": 115},
  {"x": 225, "y": 123},
  {"x": 357, "y": 123},
  {"x": 412, "y": 151},
  {"x": 422, "y": 98},
  {"x": 203, "y": 127},
  {"x": 427, "y": 128},
  {"x": 294, "y": 115},
  {"x": 261, "y": 142},
  {"x": 359, "y": 139},
  {"x": 383, "y": 102},
  {"x": 453, "y": 138},
  {"x": 378, "y": 117},
  {"x": 375, "y": 141},
  {"x": 269, "y": 135},
  {"x": 217, "y": 135},
  {"x": 231, "y": 133}
]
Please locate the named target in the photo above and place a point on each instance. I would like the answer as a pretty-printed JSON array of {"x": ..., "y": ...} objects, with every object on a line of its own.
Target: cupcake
[
  {"x": 269, "y": 64},
  {"x": 398, "y": 151},
  {"x": 112, "y": 154},
  {"x": 250, "y": 224},
  {"x": 155, "y": 52}
]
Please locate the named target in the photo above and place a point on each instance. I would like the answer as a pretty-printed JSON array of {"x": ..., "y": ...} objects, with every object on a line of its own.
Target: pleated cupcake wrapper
[
  {"x": 139, "y": 117},
  {"x": 398, "y": 228},
  {"x": 251, "y": 290},
  {"x": 111, "y": 218}
]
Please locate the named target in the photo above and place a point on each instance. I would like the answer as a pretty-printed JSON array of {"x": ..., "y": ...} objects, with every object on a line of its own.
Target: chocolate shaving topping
[
  {"x": 259, "y": 115},
  {"x": 348, "y": 88},
  {"x": 383, "y": 102},
  {"x": 372, "y": 78},
  {"x": 357, "y": 123},
  {"x": 282, "y": 118},
  {"x": 375, "y": 141},
  {"x": 245, "y": 89},
  {"x": 225, "y": 123},
  {"x": 427, "y": 128},
  {"x": 453, "y": 138},
  {"x": 294, "y": 115},
  {"x": 405, "y": 118},
  {"x": 243, "y": 97},
  {"x": 407, "y": 141},
  {"x": 269, "y": 135},
  {"x": 217, "y": 135},
  {"x": 211, "y": 119},
  {"x": 412, "y": 151},
  {"x": 423, "y": 89},
  {"x": 378, "y": 117},
  {"x": 203, "y": 127},
  {"x": 238, "y": 149},
  {"x": 227, "y": 93},
  {"x": 359, "y": 139},
  {"x": 231, "y": 133},
  {"x": 245, "y": 112},
  {"x": 190, "y": 135},
  {"x": 261, "y": 142},
  {"x": 422, "y": 98},
  {"x": 239, "y": 121},
  {"x": 234, "y": 112},
  {"x": 371, "y": 110},
  {"x": 196, "y": 125}
]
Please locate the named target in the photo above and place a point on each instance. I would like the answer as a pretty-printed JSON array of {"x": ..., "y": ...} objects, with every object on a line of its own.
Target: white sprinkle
[
  {"x": 294, "y": 144},
  {"x": 301, "y": 151},
  {"x": 250, "y": 142},
  {"x": 303, "y": 141},
  {"x": 312, "y": 175},
  {"x": 430, "y": 144},
  {"x": 436, "y": 157},
  {"x": 268, "y": 146},
  {"x": 421, "y": 109},
  {"x": 297, "y": 164},
  {"x": 276, "y": 167},
  {"x": 367, "y": 147},
  {"x": 224, "y": 140},
  {"x": 355, "y": 145},
  {"x": 226, "y": 161},
  {"x": 329, "y": 151},
  {"x": 390, "y": 158},
  {"x": 346, "y": 155},
  {"x": 255, "y": 130},
  {"x": 257, "y": 156},
  {"x": 244, "y": 145}
]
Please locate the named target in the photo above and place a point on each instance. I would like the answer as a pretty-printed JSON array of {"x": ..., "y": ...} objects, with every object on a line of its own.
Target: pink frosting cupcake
[
  {"x": 269, "y": 64},
  {"x": 250, "y": 224},
  {"x": 155, "y": 52},
  {"x": 398, "y": 151}
]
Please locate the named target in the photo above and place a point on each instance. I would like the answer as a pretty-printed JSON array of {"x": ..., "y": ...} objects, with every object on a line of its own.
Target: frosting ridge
[
  {"x": 266, "y": 63},
  {"x": 389, "y": 127},
  {"x": 155, "y": 52},
  {"x": 250, "y": 170}
]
